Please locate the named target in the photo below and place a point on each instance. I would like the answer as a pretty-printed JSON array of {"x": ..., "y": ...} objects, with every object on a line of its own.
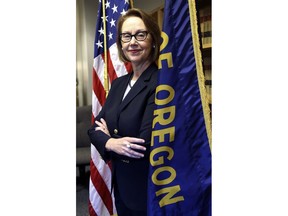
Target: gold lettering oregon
[
  {"x": 165, "y": 40},
  {"x": 163, "y": 181},
  {"x": 160, "y": 133},
  {"x": 168, "y": 198},
  {"x": 160, "y": 160},
  {"x": 159, "y": 115},
  {"x": 165, "y": 56},
  {"x": 168, "y": 99},
  {"x": 164, "y": 116}
]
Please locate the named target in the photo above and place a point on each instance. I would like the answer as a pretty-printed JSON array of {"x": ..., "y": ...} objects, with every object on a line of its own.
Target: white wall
[{"x": 86, "y": 15}]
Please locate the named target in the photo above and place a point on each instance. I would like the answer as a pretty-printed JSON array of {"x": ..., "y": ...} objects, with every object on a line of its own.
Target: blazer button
[{"x": 115, "y": 131}]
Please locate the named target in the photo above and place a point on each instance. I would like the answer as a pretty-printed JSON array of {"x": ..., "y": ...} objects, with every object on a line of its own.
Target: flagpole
[
  {"x": 132, "y": 3},
  {"x": 199, "y": 69},
  {"x": 106, "y": 81}
]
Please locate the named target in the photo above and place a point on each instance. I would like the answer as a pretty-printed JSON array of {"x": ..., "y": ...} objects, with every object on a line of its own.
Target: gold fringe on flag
[{"x": 199, "y": 68}]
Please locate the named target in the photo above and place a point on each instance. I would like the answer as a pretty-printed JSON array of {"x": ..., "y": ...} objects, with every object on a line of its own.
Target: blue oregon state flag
[{"x": 180, "y": 160}]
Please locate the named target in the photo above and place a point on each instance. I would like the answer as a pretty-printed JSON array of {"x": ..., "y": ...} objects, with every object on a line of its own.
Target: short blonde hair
[{"x": 151, "y": 26}]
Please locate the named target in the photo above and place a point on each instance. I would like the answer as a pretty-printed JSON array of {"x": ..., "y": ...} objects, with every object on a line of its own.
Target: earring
[{"x": 154, "y": 46}]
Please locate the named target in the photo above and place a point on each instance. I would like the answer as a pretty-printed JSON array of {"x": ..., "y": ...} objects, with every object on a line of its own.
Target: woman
[{"x": 122, "y": 130}]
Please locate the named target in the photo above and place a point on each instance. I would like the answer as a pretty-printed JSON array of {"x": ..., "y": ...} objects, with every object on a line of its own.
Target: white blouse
[{"x": 129, "y": 86}]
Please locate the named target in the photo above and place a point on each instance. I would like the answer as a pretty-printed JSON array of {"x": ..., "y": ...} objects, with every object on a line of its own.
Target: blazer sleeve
[{"x": 99, "y": 138}]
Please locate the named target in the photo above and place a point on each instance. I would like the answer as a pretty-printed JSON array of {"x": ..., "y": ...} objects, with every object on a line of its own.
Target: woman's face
[{"x": 138, "y": 52}]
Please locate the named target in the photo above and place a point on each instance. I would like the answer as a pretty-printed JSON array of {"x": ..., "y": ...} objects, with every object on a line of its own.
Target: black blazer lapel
[
  {"x": 137, "y": 88},
  {"x": 120, "y": 90}
]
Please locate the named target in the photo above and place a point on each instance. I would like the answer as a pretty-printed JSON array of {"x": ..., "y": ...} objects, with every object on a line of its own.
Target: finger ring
[{"x": 128, "y": 146}]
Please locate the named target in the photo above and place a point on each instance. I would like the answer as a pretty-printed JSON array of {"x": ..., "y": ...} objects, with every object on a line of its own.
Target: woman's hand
[
  {"x": 122, "y": 146},
  {"x": 102, "y": 126},
  {"x": 126, "y": 146}
]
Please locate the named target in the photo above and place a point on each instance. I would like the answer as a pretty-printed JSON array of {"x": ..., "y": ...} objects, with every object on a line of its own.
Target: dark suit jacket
[{"x": 131, "y": 117}]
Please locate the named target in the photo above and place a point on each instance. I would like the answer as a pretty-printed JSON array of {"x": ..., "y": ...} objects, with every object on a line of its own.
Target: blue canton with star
[{"x": 113, "y": 10}]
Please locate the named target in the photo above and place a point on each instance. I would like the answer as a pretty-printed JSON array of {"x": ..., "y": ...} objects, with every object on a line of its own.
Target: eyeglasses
[{"x": 139, "y": 36}]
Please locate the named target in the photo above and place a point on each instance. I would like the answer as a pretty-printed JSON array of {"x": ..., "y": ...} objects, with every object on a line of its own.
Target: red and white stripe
[{"x": 101, "y": 201}]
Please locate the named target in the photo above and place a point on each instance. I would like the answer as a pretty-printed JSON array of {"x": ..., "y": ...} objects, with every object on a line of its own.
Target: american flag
[{"x": 101, "y": 201}]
